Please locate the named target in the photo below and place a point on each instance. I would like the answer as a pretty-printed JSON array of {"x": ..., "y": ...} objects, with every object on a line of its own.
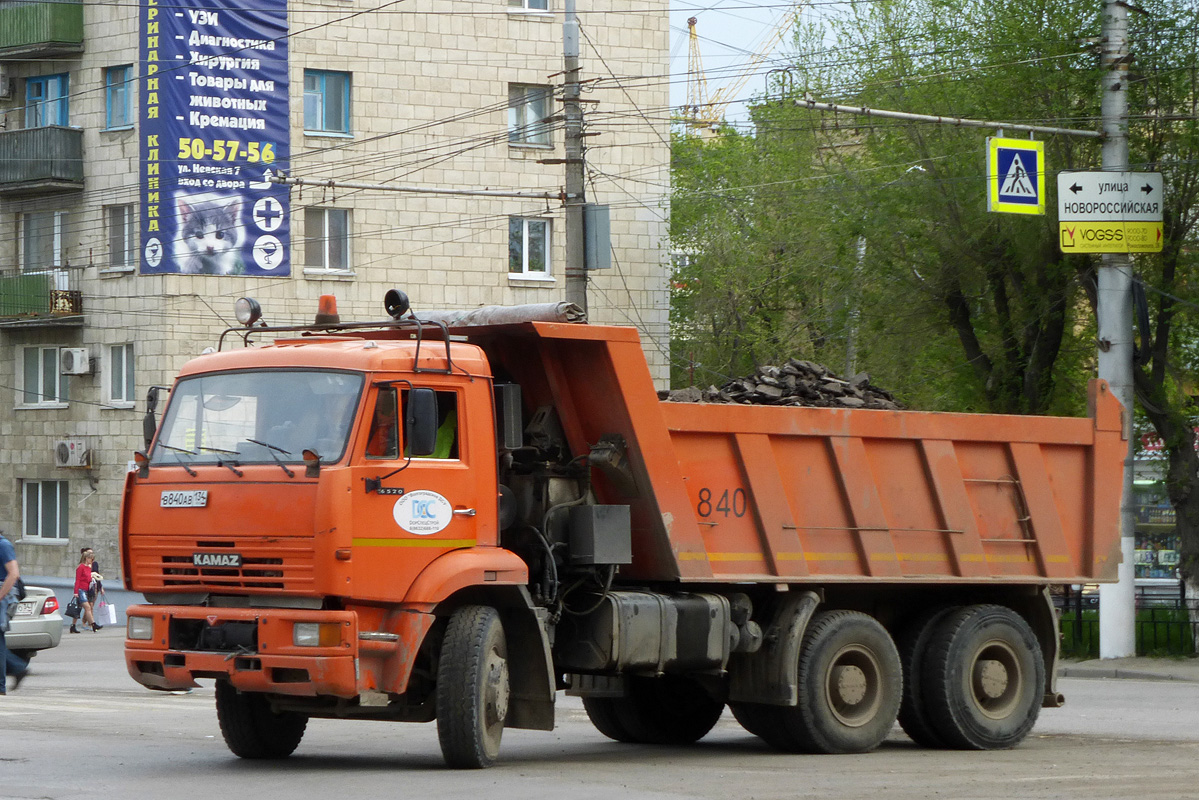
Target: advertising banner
[{"x": 213, "y": 124}]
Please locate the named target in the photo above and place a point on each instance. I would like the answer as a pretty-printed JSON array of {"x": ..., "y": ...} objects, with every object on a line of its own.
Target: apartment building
[{"x": 140, "y": 151}]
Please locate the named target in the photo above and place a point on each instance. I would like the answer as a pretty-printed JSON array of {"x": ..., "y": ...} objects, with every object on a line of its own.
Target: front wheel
[
  {"x": 251, "y": 729},
  {"x": 472, "y": 688}
]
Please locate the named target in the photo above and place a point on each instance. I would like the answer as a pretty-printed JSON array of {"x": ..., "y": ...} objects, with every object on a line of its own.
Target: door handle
[{"x": 464, "y": 512}]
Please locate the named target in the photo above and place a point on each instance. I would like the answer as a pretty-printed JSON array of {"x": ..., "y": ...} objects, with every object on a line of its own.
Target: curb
[{"x": 1127, "y": 674}]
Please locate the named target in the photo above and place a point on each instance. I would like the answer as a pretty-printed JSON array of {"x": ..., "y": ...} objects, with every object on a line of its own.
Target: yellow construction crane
[{"x": 704, "y": 114}]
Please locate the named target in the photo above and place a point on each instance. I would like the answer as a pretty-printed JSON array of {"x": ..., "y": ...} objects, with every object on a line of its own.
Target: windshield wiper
[
  {"x": 182, "y": 463},
  {"x": 270, "y": 448},
  {"x": 231, "y": 463}
]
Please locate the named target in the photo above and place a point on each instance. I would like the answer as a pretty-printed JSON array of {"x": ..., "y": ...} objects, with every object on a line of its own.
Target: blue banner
[{"x": 214, "y": 127}]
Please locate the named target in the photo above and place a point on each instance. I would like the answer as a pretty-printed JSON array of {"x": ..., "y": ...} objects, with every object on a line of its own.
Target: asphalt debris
[{"x": 796, "y": 383}]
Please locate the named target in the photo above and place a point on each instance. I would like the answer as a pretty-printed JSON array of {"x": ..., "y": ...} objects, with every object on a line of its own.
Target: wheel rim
[
  {"x": 996, "y": 680},
  {"x": 495, "y": 696},
  {"x": 853, "y": 686}
]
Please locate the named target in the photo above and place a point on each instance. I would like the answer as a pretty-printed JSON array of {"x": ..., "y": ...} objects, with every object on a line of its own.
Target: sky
[{"x": 730, "y": 32}]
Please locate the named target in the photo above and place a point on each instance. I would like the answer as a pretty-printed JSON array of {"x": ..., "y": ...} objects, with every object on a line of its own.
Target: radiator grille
[{"x": 273, "y": 565}]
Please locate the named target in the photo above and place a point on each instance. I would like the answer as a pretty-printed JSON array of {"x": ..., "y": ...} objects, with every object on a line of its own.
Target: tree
[
  {"x": 1166, "y": 138},
  {"x": 821, "y": 235}
]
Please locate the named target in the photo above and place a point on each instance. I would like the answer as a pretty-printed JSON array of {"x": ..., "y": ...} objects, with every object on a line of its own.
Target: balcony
[
  {"x": 41, "y": 161},
  {"x": 40, "y": 30},
  {"x": 40, "y": 299}
]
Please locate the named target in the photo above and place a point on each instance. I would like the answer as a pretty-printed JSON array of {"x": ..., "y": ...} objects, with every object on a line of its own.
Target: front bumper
[{"x": 253, "y": 649}]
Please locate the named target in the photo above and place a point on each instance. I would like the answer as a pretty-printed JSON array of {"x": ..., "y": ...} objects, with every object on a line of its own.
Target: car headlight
[
  {"x": 316, "y": 634},
  {"x": 139, "y": 628}
]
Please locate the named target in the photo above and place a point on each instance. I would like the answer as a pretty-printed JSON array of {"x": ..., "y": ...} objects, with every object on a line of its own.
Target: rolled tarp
[{"x": 505, "y": 315}]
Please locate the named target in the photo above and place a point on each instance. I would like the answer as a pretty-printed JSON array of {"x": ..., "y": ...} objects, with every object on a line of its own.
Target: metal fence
[{"x": 1165, "y": 626}]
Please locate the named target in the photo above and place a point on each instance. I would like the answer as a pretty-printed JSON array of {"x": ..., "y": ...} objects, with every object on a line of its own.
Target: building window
[
  {"x": 528, "y": 109},
  {"x": 122, "y": 236},
  {"x": 326, "y": 101},
  {"x": 46, "y": 100},
  {"x": 118, "y": 97},
  {"x": 532, "y": 5},
  {"x": 327, "y": 238},
  {"x": 529, "y": 247},
  {"x": 120, "y": 374},
  {"x": 41, "y": 382},
  {"x": 46, "y": 510},
  {"x": 42, "y": 239}
]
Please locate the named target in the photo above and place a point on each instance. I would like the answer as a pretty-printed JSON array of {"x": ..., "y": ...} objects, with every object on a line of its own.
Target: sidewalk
[{"x": 1138, "y": 668}]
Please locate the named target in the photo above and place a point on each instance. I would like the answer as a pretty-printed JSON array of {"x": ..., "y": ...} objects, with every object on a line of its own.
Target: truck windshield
[{"x": 261, "y": 416}]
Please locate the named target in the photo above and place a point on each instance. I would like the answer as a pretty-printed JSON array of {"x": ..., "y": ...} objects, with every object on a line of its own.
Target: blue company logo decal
[
  {"x": 422, "y": 512},
  {"x": 214, "y": 129}
]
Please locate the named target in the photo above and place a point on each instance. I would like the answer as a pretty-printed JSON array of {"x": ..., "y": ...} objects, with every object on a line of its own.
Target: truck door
[{"x": 412, "y": 509}]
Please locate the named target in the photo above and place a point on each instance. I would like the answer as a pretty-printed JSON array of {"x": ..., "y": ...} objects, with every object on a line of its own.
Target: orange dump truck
[{"x": 418, "y": 520}]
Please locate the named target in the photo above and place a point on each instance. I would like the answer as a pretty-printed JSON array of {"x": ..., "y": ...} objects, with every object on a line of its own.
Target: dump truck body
[{"x": 410, "y": 522}]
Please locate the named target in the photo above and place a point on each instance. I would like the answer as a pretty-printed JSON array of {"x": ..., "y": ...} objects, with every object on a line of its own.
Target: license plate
[
  {"x": 25, "y": 608},
  {"x": 193, "y": 499}
]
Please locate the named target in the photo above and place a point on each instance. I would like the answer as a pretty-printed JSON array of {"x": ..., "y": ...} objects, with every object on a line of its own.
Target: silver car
[{"x": 37, "y": 624}]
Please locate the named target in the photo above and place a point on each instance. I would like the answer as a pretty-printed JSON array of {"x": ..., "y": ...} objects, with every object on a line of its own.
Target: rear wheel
[
  {"x": 665, "y": 710},
  {"x": 913, "y": 646},
  {"x": 251, "y": 729},
  {"x": 984, "y": 678},
  {"x": 850, "y": 685},
  {"x": 472, "y": 688}
]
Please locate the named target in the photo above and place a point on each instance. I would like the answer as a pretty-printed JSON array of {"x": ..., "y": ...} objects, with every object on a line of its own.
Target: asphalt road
[{"x": 80, "y": 728}]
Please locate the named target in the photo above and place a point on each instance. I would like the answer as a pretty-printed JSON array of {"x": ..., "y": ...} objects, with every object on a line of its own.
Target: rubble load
[{"x": 796, "y": 383}]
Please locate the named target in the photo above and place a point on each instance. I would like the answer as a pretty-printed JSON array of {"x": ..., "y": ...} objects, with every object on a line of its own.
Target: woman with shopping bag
[
  {"x": 83, "y": 582},
  {"x": 103, "y": 609}
]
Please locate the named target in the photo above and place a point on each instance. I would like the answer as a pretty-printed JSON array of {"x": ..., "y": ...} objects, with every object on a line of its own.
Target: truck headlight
[
  {"x": 316, "y": 634},
  {"x": 139, "y": 628}
]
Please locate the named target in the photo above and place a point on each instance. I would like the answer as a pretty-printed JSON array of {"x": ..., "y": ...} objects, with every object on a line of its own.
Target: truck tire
[
  {"x": 472, "y": 688},
  {"x": 913, "y": 647},
  {"x": 984, "y": 676},
  {"x": 669, "y": 710},
  {"x": 850, "y": 685},
  {"x": 765, "y": 722},
  {"x": 605, "y": 716},
  {"x": 251, "y": 729}
]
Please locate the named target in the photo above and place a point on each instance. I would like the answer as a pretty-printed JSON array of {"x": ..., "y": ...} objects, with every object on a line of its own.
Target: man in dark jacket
[{"x": 10, "y": 665}]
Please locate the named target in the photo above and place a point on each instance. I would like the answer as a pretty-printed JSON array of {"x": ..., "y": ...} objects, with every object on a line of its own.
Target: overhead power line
[
  {"x": 386, "y": 187},
  {"x": 960, "y": 122}
]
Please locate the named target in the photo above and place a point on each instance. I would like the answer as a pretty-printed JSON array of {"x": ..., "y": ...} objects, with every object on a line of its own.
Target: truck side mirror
[
  {"x": 150, "y": 421},
  {"x": 420, "y": 422}
]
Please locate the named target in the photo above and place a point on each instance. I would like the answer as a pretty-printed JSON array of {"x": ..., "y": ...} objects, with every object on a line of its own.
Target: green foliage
[{"x": 868, "y": 240}]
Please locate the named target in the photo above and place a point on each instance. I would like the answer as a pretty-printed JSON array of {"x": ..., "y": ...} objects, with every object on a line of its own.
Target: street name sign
[
  {"x": 1015, "y": 176},
  {"x": 1109, "y": 212}
]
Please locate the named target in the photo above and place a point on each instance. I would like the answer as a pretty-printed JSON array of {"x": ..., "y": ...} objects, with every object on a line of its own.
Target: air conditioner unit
[
  {"x": 71, "y": 453},
  {"x": 74, "y": 361}
]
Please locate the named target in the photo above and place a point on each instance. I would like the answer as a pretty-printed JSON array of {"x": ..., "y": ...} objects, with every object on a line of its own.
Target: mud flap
[
  {"x": 769, "y": 676},
  {"x": 530, "y": 667}
]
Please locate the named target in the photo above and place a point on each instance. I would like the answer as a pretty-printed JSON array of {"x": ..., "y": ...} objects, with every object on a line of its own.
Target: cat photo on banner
[{"x": 210, "y": 234}]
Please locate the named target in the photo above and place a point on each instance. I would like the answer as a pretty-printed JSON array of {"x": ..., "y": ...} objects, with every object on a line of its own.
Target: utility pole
[
  {"x": 1117, "y": 602},
  {"x": 576, "y": 269}
]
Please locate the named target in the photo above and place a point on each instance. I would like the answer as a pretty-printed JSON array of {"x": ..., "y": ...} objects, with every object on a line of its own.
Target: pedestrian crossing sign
[{"x": 1015, "y": 176}]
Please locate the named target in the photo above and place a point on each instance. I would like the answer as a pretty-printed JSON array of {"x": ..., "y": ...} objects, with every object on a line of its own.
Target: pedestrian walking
[
  {"x": 83, "y": 582},
  {"x": 12, "y": 669},
  {"x": 95, "y": 592}
]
